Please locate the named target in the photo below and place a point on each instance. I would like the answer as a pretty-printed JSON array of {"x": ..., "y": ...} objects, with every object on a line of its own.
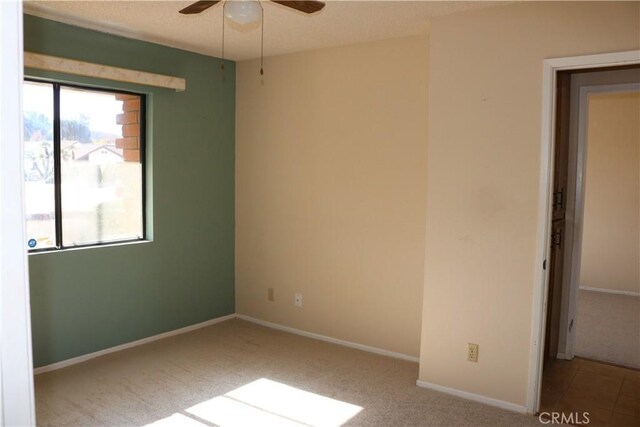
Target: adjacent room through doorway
[{"x": 592, "y": 350}]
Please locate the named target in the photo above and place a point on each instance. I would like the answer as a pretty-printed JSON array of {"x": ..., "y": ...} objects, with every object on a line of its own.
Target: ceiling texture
[{"x": 341, "y": 22}]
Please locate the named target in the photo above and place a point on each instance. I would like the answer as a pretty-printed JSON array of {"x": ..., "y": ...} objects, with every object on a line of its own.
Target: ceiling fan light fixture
[{"x": 243, "y": 11}]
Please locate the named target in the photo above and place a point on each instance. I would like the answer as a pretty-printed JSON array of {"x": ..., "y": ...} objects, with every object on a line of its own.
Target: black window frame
[{"x": 57, "y": 162}]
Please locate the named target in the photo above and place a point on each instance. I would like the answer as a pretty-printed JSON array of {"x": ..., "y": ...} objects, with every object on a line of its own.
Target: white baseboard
[
  {"x": 474, "y": 397},
  {"x": 610, "y": 291},
  {"x": 330, "y": 339},
  {"x": 85, "y": 357}
]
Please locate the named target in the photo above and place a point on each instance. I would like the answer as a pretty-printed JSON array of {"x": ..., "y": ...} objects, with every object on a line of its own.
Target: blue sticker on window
[{"x": 32, "y": 243}]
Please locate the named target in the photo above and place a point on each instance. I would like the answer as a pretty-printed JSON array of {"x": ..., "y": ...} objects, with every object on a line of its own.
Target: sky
[{"x": 100, "y": 108}]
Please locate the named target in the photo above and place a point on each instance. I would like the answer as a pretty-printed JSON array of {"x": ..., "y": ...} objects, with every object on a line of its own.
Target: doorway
[
  {"x": 594, "y": 247},
  {"x": 550, "y": 69},
  {"x": 596, "y": 105}
]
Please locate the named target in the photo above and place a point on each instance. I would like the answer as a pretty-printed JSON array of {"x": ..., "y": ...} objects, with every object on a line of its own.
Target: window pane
[
  {"x": 101, "y": 167},
  {"x": 38, "y": 165}
]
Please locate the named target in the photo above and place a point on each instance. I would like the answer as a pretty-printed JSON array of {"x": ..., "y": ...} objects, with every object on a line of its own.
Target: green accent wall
[{"x": 86, "y": 300}]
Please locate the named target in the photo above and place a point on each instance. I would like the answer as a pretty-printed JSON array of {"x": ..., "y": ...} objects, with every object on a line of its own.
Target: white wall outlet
[
  {"x": 472, "y": 352},
  {"x": 298, "y": 300}
]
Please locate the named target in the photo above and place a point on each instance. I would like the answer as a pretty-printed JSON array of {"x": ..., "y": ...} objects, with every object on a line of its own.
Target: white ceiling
[{"x": 341, "y": 22}]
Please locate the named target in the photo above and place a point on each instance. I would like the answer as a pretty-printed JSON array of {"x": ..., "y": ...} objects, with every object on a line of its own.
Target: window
[{"x": 84, "y": 166}]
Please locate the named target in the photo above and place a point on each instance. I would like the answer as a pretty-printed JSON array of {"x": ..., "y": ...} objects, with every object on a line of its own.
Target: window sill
[{"x": 88, "y": 247}]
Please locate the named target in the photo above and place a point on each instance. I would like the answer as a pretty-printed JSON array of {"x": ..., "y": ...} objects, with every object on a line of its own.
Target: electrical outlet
[
  {"x": 270, "y": 295},
  {"x": 472, "y": 352},
  {"x": 298, "y": 301}
]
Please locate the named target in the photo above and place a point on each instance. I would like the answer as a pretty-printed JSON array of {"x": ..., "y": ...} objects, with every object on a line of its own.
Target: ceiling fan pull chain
[
  {"x": 222, "y": 63},
  {"x": 262, "y": 40}
]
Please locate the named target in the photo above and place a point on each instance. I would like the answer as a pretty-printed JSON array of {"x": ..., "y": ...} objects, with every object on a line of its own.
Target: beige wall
[
  {"x": 611, "y": 233},
  {"x": 331, "y": 191},
  {"x": 485, "y": 92}
]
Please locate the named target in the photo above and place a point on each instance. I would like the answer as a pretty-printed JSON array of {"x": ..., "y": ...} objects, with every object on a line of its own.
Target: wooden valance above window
[{"x": 107, "y": 72}]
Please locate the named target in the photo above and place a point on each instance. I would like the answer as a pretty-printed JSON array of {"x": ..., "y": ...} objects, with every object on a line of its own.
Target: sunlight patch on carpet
[
  {"x": 267, "y": 403},
  {"x": 177, "y": 420}
]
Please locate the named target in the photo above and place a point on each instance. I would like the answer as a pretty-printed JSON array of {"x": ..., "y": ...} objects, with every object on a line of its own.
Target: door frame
[
  {"x": 17, "y": 405},
  {"x": 547, "y": 143}
]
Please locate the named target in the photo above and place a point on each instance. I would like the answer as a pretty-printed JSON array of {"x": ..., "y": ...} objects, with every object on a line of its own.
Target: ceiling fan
[
  {"x": 305, "y": 6},
  {"x": 247, "y": 11}
]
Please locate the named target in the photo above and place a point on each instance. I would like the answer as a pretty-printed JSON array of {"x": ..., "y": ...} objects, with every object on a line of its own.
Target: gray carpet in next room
[{"x": 608, "y": 328}]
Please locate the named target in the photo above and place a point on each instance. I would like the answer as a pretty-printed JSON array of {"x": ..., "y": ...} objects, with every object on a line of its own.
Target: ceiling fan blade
[
  {"x": 197, "y": 7},
  {"x": 306, "y": 6}
]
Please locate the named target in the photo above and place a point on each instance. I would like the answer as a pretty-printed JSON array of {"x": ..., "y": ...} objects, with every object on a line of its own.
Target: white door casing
[{"x": 16, "y": 366}]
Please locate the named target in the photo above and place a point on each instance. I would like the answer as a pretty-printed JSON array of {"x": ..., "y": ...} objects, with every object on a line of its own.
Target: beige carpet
[
  {"x": 608, "y": 328},
  {"x": 238, "y": 373}
]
